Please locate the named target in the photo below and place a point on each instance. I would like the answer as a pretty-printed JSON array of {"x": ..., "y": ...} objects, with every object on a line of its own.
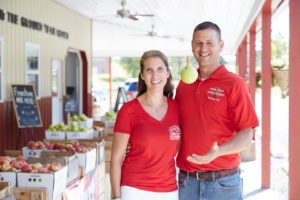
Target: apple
[
  {"x": 75, "y": 118},
  {"x": 18, "y": 164},
  {"x": 76, "y": 143},
  {"x": 4, "y": 160},
  {"x": 32, "y": 145},
  {"x": 55, "y": 166},
  {"x": 50, "y": 147},
  {"x": 44, "y": 169},
  {"x": 188, "y": 74},
  {"x": 40, "y": 145},
  {"x": 5, "y": 167},
  {"x": 26, "y": 168},
  {"x": 57, "y": 146},
  {"x": 21, "y": 158},
  {"x": 83, "y": 117},
  {"x": 12, "y": 169},
  {"x": 111, "y": 116},
  {"x": 36, "y": 166}
]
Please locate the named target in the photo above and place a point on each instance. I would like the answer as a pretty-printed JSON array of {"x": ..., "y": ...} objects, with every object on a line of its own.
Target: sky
[{"x": 280, "y": 23}]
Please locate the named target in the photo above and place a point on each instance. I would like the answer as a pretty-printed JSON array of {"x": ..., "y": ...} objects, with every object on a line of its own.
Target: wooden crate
[
  {"x": 31, "y": 193},
  {"x": 6, "y": 189}
]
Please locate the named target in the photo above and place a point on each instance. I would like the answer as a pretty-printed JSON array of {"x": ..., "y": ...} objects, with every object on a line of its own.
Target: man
[{"x": 217, "y": 119}]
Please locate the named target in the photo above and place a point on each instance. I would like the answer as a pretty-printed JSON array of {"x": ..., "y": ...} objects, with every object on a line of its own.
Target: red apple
[
  {"x": 21, "y": 158},
  {"x": 18, "y": 164},
  {"x": 32, "y": 145},
  {"x": 63, "y": 150},
  {"x": 50, "y": 146},
  {"x": 40, "y": 145},
  {"x": 57, "y": 146},
  {"x": 76, "y": 143},
  {"x": 4, "y": 160},
  {"x": 44, "y": 169},
  {"x": 26, "y": 168},
  {"x": 71, "y": 149}
]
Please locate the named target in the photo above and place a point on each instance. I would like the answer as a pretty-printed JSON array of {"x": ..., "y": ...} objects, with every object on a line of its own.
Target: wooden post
[
  {"x": 252, "y": 64},
  {"x": 110, "y": 83},
  {"x": 294, "y": 101},
  {"x": 266, "y": 93},
  {"x": 243, "y": 59}
]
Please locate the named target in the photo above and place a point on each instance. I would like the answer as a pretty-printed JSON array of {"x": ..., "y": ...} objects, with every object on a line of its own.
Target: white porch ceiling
[{"x": 116, "y": 36}]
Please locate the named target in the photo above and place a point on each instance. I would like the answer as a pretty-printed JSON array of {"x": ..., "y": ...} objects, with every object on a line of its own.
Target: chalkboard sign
[{"x": 26, "y": 107}]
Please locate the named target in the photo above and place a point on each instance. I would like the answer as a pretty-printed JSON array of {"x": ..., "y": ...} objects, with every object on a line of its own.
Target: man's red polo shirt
[{"x": 213, "y": 110}]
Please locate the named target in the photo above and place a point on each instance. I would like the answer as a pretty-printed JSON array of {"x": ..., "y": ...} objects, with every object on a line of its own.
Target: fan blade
[
  {"x": 165, "y": 36},
  {"x": 133, "y": 17},
  {"x": 144, "y": 15}
]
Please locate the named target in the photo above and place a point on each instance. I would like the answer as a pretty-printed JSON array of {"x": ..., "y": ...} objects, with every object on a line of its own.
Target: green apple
[
  {"x": 188, "y": 74},
  {"x": 83, "y": 117},
  {"x": 75, "y": 118},
  {"x": 110, "y": 116}
]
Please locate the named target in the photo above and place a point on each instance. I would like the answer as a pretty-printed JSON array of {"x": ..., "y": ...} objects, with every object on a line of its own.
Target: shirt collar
[{"x": 218, "y": 73}]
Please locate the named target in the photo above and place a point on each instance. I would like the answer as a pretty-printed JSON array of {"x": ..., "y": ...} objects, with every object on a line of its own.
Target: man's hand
[{"x": 212, "y": 154}]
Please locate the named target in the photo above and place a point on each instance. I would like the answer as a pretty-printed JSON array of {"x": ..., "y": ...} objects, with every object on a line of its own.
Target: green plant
[{"x": 279, "y": 49}]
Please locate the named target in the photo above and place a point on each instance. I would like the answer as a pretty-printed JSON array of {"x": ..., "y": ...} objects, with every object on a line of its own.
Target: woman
[{"x": 150, "y": 123}]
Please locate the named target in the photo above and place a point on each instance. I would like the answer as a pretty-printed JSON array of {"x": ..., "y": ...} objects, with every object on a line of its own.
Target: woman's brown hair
[{"x": 142, "y": 88}]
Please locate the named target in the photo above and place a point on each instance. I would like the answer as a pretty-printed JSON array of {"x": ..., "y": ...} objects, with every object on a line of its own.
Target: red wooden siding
[{"x": 11, "y": 135}]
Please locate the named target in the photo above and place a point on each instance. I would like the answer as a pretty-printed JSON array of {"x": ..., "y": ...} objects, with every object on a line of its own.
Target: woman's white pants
[{"x": 131, "y": 193}]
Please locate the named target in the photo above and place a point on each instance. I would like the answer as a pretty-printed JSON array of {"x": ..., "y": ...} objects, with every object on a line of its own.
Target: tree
[
  {"x": 279, "y": 49},
  {"x": 131, "y": 65}
]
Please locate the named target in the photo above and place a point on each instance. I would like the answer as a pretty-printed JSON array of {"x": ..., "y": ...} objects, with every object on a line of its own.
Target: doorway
[
  {"x": 56, "y": 91},
  {"x": 73, "y": 82}
]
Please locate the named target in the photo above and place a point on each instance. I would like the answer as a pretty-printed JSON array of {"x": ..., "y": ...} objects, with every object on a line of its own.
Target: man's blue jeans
[{"x": 224, "y": 188}]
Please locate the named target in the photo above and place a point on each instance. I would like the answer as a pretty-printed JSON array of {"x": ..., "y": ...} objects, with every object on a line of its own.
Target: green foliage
[
  {"x": 131, "y": 65},
  {"x": 279, "y": 49},
  {"x": 222, "y": 60}
]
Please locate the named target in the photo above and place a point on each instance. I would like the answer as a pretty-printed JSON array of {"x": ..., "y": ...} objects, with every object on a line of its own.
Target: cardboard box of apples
[
  {"x": 109, "y": 119},
  {"x": 68, "y": 132},
  {"x": 34, "y": 149},
  {"x": 9, "y": 166},
  {"x": 82, "y": 120},
  {"x": 44, "y": 172},
  {"x": 79, "y": 132},
  {"x": 71, "y": 161},
  {"x": 86, "y": 153}
]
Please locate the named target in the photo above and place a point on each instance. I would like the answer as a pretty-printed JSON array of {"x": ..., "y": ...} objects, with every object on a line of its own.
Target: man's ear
[{"x": 221, "y": 45}]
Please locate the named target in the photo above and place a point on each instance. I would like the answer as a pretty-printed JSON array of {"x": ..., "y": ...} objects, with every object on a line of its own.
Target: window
[
  {"x": 32, "y": 65},
  {"x": 1, "y": 69}
]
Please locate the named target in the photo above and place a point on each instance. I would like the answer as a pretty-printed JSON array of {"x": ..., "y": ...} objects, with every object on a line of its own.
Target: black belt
[{"x": 210, "y": 175}]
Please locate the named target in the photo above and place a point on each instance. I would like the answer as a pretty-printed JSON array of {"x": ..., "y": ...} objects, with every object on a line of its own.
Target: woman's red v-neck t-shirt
[{"x": 150, "y": 163}]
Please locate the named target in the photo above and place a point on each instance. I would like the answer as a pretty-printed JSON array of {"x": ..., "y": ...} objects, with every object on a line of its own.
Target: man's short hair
[{"x": 207, "y": 25}]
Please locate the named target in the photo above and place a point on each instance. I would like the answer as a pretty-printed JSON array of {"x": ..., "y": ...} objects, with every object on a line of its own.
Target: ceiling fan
[
  {"x": 125, "y": 13},
  {"x": 153, "y": 33}
]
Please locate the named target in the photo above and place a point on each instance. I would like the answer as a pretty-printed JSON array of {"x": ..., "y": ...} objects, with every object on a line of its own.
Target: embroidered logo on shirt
[
  {"x": 215, "y": 93},
  {"x": 174, "y": 132}
]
